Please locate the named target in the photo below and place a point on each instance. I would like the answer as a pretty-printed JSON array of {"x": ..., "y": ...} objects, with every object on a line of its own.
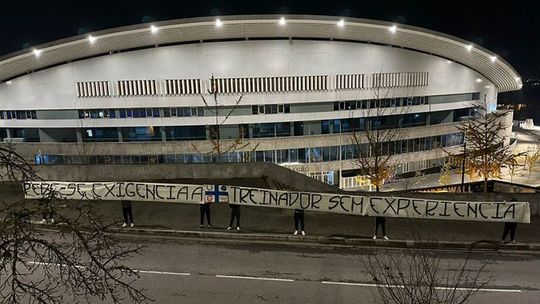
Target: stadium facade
[{"x": 304, "y": 83}]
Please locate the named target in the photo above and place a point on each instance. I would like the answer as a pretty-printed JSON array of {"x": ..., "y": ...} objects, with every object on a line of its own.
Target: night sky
[{"x": 510, "y": 28}]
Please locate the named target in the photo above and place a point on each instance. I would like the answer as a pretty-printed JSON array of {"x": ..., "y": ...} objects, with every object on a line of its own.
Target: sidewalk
[{"x": 271, "y": 224}]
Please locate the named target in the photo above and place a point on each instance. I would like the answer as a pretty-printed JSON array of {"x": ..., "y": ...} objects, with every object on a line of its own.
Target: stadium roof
[{"x": 194, "y": 30}]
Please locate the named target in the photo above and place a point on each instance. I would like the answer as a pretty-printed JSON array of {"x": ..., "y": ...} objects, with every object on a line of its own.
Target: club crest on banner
[{"x": 216, "y": 194}]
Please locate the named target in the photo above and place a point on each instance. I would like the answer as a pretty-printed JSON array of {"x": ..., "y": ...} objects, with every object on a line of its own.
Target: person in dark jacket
[
  {"x": 299, "y": 219},
  {"x": 380, "y": 221},
  {"x": 510, "y": 227},
  {"x": 235, "y": 214},
  {"x": 127, "y": 213},
  {"x": 205, "y": 210}
]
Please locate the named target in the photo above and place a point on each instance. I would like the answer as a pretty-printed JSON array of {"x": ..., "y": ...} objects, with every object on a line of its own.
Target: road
[{"x": 191, "y": 271}]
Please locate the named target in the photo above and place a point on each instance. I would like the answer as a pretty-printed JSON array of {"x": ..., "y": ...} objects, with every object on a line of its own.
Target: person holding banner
[
  {"x": 235, "y": 213},
  {"x": 510, "y": 227},
  {"x": 127, "y": 213},
  {"x": 205, "y": 210},
  {"x": 380, "y": 221},
  {"x": 299, "y": 219}
]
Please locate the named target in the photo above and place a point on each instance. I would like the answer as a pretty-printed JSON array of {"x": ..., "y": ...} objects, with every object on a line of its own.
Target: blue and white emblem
[{"x": 216, "y": 194}]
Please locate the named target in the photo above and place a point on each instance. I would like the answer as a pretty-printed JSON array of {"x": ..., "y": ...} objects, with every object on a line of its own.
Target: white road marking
[
  {"x": 438, "y": 287},
  {"x": 291, "y": 280},
  {"x": 162, "y": 272},
  {"x": 253, "y": 278},
  {"x": 134, "y": 270}
]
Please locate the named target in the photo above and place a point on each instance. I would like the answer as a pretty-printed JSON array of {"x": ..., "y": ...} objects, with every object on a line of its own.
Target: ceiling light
[
  {"x": 92, "y": 39},
  {"x": 449, "y": 61},
  {"x": 9, "y": 82},
  {"x": 493, "y": 58},
  {"x": 218, "y": 23},
  {"x": 487, "y": 87},
  {"x": 282, "y": 21},
  {"x": 392, "y": 29},
  {"x": 341, "y": 23},
  {"x": 154, "y": 29},
  {"x": 478, "y": 80},
  {"x": 469, "y": 47},
  {"x": 518, "y": 79},
  {"x": 37, "y": 52}
]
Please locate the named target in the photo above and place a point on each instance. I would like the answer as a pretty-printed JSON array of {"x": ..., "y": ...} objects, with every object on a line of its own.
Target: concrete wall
[{"x": 172, "y": 172}]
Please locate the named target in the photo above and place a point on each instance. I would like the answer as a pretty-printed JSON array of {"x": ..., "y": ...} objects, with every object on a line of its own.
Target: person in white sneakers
[
  {"x": 299, "y": 219},
  {"x": 380, "y": 221},
  {"x": 127, "y": 212},
  {"x": 46, "y": 211},
  {"x": 235, "y": 214}
]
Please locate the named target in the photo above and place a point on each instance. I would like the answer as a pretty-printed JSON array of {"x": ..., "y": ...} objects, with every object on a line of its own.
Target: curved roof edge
[{"x": 113, "y": 40}]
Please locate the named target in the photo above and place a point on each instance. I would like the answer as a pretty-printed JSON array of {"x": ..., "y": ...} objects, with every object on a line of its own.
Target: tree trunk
[{"x": 485, "y": 184}]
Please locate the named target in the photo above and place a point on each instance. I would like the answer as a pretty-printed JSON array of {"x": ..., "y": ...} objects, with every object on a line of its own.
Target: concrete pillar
[
  {"x": 8, "y": 133},
  {"x": 78, "y": 133},
  {"x": 163, "y": 134},
  {"x": 120, "y": 138},
  {"x": 207, "y": 132}
]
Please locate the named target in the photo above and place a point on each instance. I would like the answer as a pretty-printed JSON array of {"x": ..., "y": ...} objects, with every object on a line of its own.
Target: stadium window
[
  {"x": 173, "y": 112},
  {"x": 200, "y": 111},
  {"x": 336, "y": 106},
  {"x": 149, "y": 112},
  {"x": 122, "y": 113},
  {"x": 112, "y": 113},
  {"x": 254, "y": 110},
  {"x": 261, "y": 109},
  {"x": 280, "y": 109},
  {"x": 155, "y": 111},
  {"x": 287, "y": 108},
  {"x": 166, "y": 112},
  {"x": 129, "y": 113}
]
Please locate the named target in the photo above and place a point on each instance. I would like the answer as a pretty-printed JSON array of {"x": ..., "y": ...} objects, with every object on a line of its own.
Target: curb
[{"x": 333, "y": 240}]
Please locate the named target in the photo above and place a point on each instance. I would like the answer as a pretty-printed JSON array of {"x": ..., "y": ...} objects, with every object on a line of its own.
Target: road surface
[{"x": 191, "y": 271}]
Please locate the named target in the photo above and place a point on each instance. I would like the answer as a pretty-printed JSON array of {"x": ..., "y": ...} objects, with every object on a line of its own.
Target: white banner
[{"x": 366, "y": 205}]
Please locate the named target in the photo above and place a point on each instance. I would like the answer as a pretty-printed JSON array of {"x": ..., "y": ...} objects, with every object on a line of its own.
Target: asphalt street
[{"x": 193, "y": 271}]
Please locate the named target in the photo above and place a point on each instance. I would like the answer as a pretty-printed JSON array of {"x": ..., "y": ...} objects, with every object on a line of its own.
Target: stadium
[{"x": 283, "y": 89}]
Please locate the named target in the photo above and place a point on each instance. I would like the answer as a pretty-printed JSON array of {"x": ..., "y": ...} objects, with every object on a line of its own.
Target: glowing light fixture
[
  {"x": 219, "y": 23},
  {"x": 469, "y": 47},
  {"x": 37, "y": 52},
  {"x": 392, "y": 29},
  {"x": 341, "y": 23},
  {"x": 282, "y": 21},
  {"x": 154, "y": 29},
  {"x": 493, "y": 58},
  {"x": 478, "y": 80},
  {"x": 92, "y": 39}
]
